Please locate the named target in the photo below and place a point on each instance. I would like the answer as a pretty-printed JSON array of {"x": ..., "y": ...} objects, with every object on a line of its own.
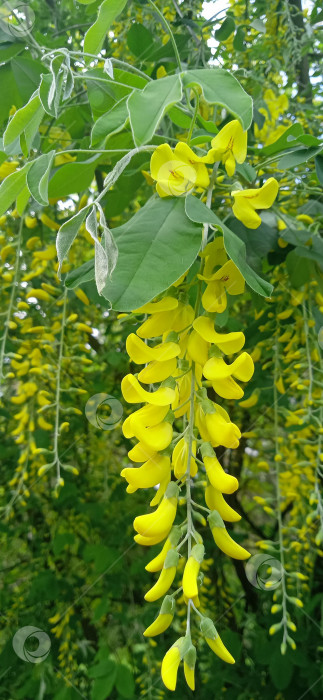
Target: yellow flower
[
  {"x": 154, "y": 307},
  {"x": 7, "y": 168},
  {"x": 38, "y": 294},
  {"x": 214, "y": 256},
  {"x": 230, "y": 146},
  {"x": 227, "y": 279},
  {"x": 152, "y": 472},
  {"x": 157, "y": 563},
  {"x": 165, "y": 579},
  {"x": 49, "y": 222},
  {"x": 247, "y": 201},
  {"x": 223, "y": 540},
  {"x": 149, "y": 427},
  {"x": 180, "y": 457},
  {"x": 63, "y": 158},
  {"x": 219, "y": 479},
  {"x": 163, "y": 517},
  {"x": 191, "y": 571},
  {"x": 215, "y": 501},
  {"x": 178, "y": 172},
  {"x": 279, "y": 383},
  {"x": 228, "y": 343},
  {"x": 214, "y": 641},
  {"x": 251, "y": 401},
  {"x": 220, "y": 429},
  {"x": 134, "y": 393},
  {"x": 189, "y": 667},
  {"x": 169, "y": 668},
  {"x": 140, "y": 353},
  {"x": 164, "y": 619},
  {"x": 221, "y": 375}
]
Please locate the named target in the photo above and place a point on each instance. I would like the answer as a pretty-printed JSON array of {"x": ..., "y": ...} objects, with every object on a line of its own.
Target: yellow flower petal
[
  {"x": 134, "y": 393},
  {"x": 170, "y": 666},
  {"x": 215, "y": 501},
  {"x": 247, "y": 201},
  {"x": 227, "y": 342}
]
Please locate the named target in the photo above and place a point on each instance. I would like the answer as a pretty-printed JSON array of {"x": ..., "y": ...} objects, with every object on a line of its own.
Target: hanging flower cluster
[
  {"x": 183, "y": 361},
  {"x": 289, "y": 432},
  {"x": 178, "y": 172}
]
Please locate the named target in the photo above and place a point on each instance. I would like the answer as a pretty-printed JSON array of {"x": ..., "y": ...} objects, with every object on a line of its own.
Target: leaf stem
[{"x": 168, "y": 29}]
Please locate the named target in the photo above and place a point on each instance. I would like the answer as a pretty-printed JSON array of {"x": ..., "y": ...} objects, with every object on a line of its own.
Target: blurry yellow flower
[{"x": 7, "y": 168}]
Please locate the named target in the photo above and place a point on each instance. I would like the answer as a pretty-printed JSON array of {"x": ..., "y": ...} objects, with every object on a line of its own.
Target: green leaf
[
  {"x": 9, "y": 92},
  {"x": 104, "y": 605},
  {"x": 280, "y": 670},
  {"x": 302, "y": 155},
  {"x": 68, "y": 232},
  {"x": 27, "y": 74},
  {"x": 37, "y": 177},
  {"x": 105, "y": 558},
  {"x": 299, "y": 269},
  {"x": 179, "y": 118},
  {"x": 247, "y": 171},
  {"x": 295, "y": 236},
  {"x": 106, "y": 251},
  {"x": 220, "y": 87},
  {"x": 287, "y": 140},
  {"x": 44, "y": 89},
  {"x": 155, "y": 248},
  {"x": 72, "y": 177},
  {"x": 82, "y": 274},
  {"x": 11, "y": 187},
  {"x": 125, "y": 684},
  {"x": 27, "y": 119},
  {"x": 319, "y": 168},
  {"x": 309, "y": 140},
  {"x": 210, "y": 127},
  {"x": 238, "y": 41},
  {"x": 104, "y": 668},
  {"x": 314, "y": 251},
  {"x": 8, "y": 51},
  {"x": 103, "y": 92},
  {"x": 235, "y": 247},
  {"x": 22, "y": 200},
  {"x": 147, "y": 107},
  {"x": 61, "y": 540},
  {"x": 258, "y": 241},
  {"x": 95, "y": 36},
  {"x": 226, "y": 29},
  {"x": 110, "y": 123},
  {"x": 140, "y": 41},
  {"x": 102, "y": 687},
  {"x": 258, "y": 25}
]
